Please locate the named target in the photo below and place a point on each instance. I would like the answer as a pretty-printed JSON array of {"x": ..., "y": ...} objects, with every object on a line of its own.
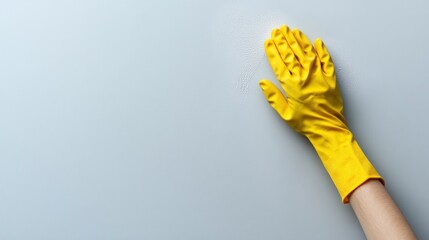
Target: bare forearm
[{"x": 378, "y": 214}]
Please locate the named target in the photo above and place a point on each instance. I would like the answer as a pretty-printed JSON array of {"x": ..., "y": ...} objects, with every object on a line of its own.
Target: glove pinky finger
[{"x": 324, "y": 57}]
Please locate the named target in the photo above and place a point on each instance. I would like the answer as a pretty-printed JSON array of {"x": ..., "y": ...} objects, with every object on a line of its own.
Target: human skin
[{"x": 378, "y": 215}]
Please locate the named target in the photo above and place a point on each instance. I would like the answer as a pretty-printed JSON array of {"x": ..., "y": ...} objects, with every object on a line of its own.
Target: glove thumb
[{"x": 275, "y": 97}]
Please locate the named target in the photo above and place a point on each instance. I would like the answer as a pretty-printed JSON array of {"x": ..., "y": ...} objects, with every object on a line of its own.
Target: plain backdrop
[{"x": 144, "y": 119}]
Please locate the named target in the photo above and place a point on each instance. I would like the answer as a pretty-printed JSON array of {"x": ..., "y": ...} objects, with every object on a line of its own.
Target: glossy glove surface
[{"x": 314, "y": 105}]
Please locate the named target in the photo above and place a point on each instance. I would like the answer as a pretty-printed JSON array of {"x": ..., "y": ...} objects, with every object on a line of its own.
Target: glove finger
[
  {"x": 286, "y": 53},
  {"x": 279, "y": 67},
  {"x": 324, "y": 57},
  {"x": 294, "y": 45},
  {"x": 304, "y": 43},
  {"x": 275, "y": 97}
]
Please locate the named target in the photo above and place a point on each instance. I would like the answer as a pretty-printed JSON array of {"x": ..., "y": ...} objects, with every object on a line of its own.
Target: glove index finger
[
  {"x": 280, "y": 69},
  {"x": 286, "y": 52}
]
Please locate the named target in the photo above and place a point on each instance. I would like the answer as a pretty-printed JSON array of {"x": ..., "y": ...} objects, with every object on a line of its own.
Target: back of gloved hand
[{"x": 314, "y": 106}]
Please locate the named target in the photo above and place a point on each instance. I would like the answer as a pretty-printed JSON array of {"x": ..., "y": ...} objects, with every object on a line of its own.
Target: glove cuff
[{"x": 348, "y": 167}]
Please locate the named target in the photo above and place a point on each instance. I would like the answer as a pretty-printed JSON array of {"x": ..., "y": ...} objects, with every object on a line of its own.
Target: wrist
[
  {"x": 331, "y": 138},
  {"x": 344, "y": 160}
]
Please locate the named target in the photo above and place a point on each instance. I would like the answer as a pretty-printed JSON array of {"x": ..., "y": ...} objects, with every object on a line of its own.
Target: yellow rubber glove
[{"x": 314, "y": 106}]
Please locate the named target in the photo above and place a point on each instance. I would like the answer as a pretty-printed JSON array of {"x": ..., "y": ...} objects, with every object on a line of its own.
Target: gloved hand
[{"x": 314, "y": 106}]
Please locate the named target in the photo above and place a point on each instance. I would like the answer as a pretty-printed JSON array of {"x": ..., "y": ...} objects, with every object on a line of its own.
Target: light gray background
[{"x": 144, "y": 119}]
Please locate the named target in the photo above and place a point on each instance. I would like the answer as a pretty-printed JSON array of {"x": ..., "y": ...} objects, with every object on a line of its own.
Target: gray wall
[{"x": 144, "y": 119}]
